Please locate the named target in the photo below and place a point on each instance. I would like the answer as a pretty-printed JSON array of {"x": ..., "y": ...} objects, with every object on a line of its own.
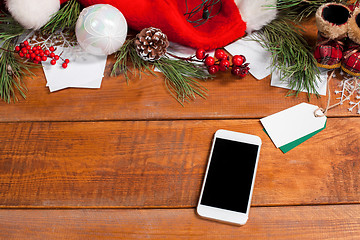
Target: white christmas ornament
[
  {"x": 101, "y": 29},
  {"x": 32, "y": 14}
]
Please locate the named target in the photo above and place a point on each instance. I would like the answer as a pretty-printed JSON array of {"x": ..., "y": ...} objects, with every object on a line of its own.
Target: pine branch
[
  {"x": 12, "y": 71},
  {"x": 10, "y": 29},
  {"x": 180, "y": 77},
  {"x": 65, "y": 18},
  {"x": 125, "y": 53},
  {"x": 291, "y": 55}
]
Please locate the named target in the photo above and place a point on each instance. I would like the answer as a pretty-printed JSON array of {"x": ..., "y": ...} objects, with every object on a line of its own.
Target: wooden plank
[
  {"x": 162, "y": 163},
  {"x": 301, "y": 222},
  {"x": 148, "y": 98}
]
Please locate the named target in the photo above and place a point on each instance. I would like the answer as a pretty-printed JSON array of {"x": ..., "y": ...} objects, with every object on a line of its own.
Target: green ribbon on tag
[{"x": 293, "y": 144}]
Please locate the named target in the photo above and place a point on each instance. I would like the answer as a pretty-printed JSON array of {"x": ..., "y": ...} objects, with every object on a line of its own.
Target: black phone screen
[{"x": 230, "y": 174}]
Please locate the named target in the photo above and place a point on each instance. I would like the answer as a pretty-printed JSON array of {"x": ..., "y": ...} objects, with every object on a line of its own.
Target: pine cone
[{"x": 151, "y": 44}]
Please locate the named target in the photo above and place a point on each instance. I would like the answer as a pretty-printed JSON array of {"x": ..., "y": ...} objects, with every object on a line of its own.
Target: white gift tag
[{"x": 293, "y": 123}]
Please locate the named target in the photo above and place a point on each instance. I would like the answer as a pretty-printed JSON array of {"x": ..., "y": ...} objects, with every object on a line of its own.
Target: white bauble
[{"x": 101, "y": 29}]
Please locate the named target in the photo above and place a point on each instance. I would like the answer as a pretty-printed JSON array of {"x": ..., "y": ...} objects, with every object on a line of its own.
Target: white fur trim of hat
[{"x": 32, "y": 14}]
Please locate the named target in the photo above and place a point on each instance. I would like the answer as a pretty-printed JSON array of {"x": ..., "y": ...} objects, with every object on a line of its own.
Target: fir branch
[
  {"x": 125, "y": 53},
  {"x": 180, "y": 77},
  {"x": 12, "y": 71},
  {"x": 65, "y": 18},
  {"x": 291, "y": 55},
  {"x": 10, "y": 29}
]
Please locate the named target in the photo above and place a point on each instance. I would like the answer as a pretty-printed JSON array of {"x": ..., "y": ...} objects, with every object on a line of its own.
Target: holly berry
[
  {"x": 213, "y": 69},
  {"x": 238, "y": 60},
  {"x": 64, "y": 65},
  {"x": 236, "y": 71},
  {"x": 26, "y": 43},
  {"x": 17, "y": 49},
  {"x": 224, "y": 65},
  {"x": 243, "y": 72},
  {"x": 200, "y": 53},
  {"x": 51, "y": 48},
  {"x": 47, "y": 52},
  {"x": 21, "y": 54},
  {"x": 52, "y": 55},
  {"x": 56, "y": 57},
  {"x": 209, "y": 61},
  {"x": 220, "y": 54},
  {"x": 67, "y": 61},
  {"x": 53, "y": 62},
  {"x": 38, "y": 58}
]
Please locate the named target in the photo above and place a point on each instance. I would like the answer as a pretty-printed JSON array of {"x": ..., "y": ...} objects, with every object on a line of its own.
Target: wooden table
[{"x": 127, "y": 161}]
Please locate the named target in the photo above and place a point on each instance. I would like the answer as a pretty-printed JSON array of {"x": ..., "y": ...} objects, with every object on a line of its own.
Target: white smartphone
[{"x": 229, "y": 179}]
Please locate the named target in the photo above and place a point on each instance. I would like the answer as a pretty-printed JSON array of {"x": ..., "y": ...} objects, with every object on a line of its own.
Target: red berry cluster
[
  {"x": 238, "y": 67},
  {"x": 37, "y": 54}
]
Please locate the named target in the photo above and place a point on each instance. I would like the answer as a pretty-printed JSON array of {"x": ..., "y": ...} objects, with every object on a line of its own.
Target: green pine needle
[
  {"x": 12, "y": 70},
  {"x": 65, "y": 18},
  {"x": 9, "y": 28},
  {"x": 180, "y": 76},
  {"x": 125, "y": 53},
  {"x": 291, "y": 55}
]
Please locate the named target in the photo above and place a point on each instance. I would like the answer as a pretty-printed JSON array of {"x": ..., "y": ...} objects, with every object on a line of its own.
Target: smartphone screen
[{"x": 230, "y": 175}]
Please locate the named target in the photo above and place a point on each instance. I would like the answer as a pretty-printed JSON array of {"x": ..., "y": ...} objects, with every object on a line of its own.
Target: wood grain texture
[
  {"x": 315, "y": 222},
  {"x": 147, "y": 98},
  {"x": 162, "y": 163}
]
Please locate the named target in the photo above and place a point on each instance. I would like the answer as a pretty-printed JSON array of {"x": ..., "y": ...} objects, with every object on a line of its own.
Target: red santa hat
[{"x": 234, "y": 18}]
